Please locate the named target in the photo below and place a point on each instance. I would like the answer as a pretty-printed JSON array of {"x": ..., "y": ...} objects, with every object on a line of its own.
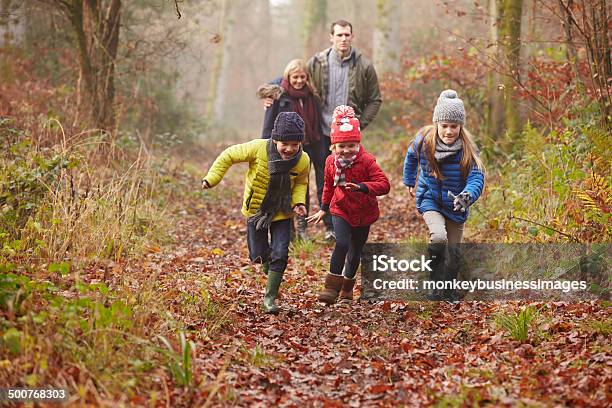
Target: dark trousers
[
  {"x": 349, "y": 244},
  {"x": 274, "y": 251},
  {"x": 318, "y": 152}
]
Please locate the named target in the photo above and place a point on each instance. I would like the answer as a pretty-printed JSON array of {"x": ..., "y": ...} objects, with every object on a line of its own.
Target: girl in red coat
[{"x": 352, "y": 182}]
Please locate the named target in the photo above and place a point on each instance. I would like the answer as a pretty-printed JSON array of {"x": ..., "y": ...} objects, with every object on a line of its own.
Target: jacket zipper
[{"x": 248, "y": 201}]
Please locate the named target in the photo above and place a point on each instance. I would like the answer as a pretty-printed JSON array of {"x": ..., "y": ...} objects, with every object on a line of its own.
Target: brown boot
[
  {"x": 333, "y": 284},
  {"x": 346, "y": 293}
]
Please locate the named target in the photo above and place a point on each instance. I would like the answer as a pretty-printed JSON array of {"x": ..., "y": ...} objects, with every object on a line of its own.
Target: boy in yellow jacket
[{"x": 275, "y": 188}]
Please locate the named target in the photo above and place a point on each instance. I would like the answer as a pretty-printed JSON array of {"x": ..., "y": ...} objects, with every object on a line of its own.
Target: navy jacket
[
  {"x": 282, "y": 104},
  {"x": 431, "y": 193}
]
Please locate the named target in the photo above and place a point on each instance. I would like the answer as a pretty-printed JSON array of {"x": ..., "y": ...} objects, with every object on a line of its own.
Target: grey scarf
[
  {"x": 278, "y": 193},
  {"x": 444, "y": 151}
]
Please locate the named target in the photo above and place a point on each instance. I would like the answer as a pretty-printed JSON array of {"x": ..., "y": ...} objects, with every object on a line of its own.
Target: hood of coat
[{"x": 269, "y": 91}]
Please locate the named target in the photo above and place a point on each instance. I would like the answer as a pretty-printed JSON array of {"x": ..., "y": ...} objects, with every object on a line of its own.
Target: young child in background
[
  {"x": 353, "y": 179},
  {"x": 275, "y": 187},
  {"x": 451, "y": 178}
]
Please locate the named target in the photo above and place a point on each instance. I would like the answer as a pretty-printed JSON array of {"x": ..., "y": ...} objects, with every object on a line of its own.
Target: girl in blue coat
[{"x": 451, "y": 178}]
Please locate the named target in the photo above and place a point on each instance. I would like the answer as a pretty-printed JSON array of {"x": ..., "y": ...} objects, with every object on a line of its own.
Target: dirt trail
[{"x": 361, "y": 354}]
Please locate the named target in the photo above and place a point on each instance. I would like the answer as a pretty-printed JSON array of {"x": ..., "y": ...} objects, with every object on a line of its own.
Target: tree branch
[
  {"x": 176, "y": 8},
  {"x": 545, "y": 226}
]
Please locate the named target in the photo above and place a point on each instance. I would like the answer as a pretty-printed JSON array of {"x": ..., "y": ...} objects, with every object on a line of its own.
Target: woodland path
[{"x": 385, "y": 354}]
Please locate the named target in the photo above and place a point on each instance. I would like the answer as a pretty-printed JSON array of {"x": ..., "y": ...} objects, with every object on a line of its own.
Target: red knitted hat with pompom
[{"x": 345, "y": 126}]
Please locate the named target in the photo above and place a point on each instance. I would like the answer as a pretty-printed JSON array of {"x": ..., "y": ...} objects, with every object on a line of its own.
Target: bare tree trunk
[
  {"x": 12, "y": 22},
  {"x": 386, "y": 38},
  {"x": 598, "y": 48},
  {"x": 96, "y": 26},
  {"x": 103, "y": 34},
  {"x": 352, "y": 10},
  {"x": 495, "y": 105},
  {"x": 265, "y": 22},
  {"x": 315, "y": 28},
  {"x": 589, "y": 18},
  {"x": 529, "y": 48},
  {"x": 570, "y": 45},
  {"x": 529, "y": 34},
  {"x": 509, "y": 29},
  {"x": 218, "y": 75}
]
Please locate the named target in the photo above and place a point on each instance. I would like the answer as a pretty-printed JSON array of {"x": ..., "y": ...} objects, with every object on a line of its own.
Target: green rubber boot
[{"x": 274, "y": 281}]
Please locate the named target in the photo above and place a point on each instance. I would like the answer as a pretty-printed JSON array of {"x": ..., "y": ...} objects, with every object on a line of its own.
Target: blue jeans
[{"x": 276, "y": 252}]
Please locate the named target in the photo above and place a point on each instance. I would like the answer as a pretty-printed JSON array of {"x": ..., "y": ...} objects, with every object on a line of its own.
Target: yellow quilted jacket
[{"x": 256, "y": 183}]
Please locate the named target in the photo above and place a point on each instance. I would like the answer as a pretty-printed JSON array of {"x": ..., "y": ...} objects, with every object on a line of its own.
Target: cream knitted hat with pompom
[{"x": 449, "y": 108}]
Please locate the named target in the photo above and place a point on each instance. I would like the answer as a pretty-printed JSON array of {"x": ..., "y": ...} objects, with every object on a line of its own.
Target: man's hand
[
  {"x": 300, "y": 209},
  {"x": 316, "y": 217},
  {"x": 205, "y": 184},
  {"x": 411, "y": 191}
]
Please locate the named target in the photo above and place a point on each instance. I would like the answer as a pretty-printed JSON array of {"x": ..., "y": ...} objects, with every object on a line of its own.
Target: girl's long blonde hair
[
  {"x": 300, "y": 65},
  {"x": 469, "y": 159}
]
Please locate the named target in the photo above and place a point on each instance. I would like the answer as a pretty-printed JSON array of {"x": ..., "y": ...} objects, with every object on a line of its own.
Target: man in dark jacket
[{"x": 343, "y": 76}]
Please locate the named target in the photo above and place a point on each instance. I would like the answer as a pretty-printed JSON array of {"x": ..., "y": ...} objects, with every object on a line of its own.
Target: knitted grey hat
[
  {"x": 288, "y": 126},
  {"x": 449, "y": 108}
]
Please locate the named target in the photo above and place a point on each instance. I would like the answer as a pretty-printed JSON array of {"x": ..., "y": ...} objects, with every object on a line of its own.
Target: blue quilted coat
[{"x": 431, "y": 193}]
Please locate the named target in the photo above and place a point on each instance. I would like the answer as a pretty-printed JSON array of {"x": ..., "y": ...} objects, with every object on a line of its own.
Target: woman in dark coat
[{"x": 294, "y": 92}]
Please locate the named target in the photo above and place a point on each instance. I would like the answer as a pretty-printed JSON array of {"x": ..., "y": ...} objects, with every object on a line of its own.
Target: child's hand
[
  {"x": 411, "y": 191},
  {"x": 205, "y": 185},
  {"x": 300, "y": 209},
  {"x": 352, "y": 187},
  {"x": 316, "y": 217},
  {"x": 461, "y": 201}
]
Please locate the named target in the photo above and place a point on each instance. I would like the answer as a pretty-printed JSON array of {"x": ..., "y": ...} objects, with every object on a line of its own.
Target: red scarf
[
  {"x": 307, "y": 109},
  {"x": 341, "y": 166}
]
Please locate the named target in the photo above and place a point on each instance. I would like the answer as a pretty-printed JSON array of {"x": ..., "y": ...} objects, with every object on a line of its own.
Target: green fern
[{"x": 601, "y": 143}]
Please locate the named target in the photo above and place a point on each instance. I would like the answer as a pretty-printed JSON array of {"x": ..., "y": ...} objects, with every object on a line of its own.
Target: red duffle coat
[{"x": 358, "y": 208}]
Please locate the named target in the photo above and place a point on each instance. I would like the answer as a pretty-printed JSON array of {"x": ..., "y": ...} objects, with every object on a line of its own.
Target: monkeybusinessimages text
[{"x": 385, "y": 263}]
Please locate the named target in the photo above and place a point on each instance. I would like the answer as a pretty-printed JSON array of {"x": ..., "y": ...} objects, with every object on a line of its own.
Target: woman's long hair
[
  {"x": 469, "y": 159},
  {"x": 300, "y": 65}
]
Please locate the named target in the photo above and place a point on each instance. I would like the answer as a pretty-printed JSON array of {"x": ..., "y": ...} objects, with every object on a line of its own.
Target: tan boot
[
  {"x": 333, "y": 284},
  {"x": 346, "y": 293}
]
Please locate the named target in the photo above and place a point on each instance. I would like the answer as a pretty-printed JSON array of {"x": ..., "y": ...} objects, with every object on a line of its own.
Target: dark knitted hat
[{"x": 288, "y": 127}]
